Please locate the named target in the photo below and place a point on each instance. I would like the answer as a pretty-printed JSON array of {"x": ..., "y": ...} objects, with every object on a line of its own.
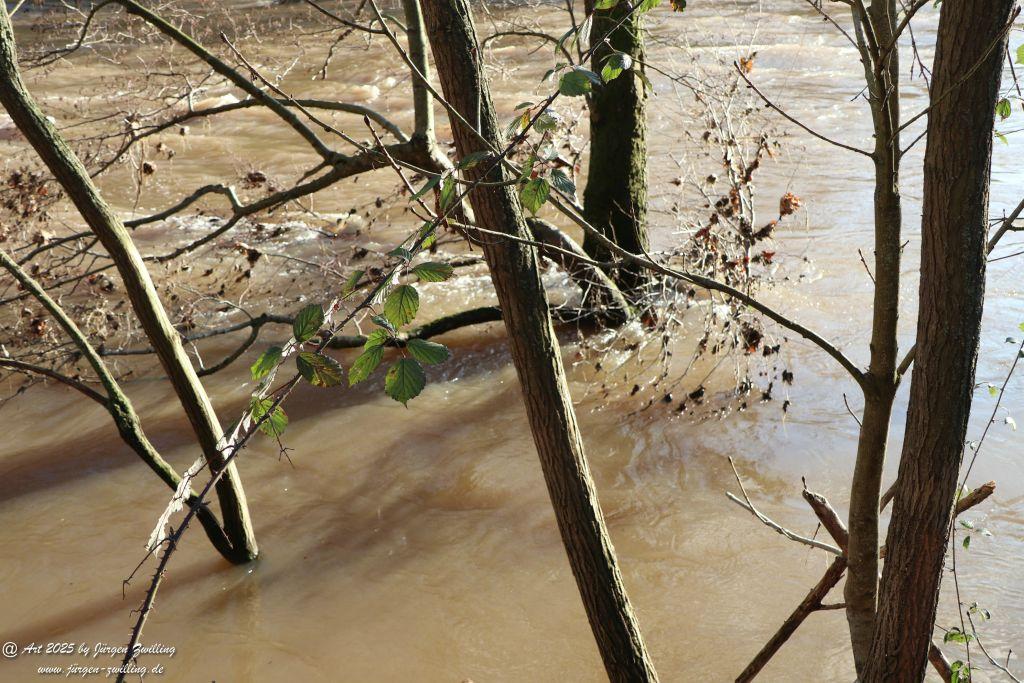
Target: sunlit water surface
[{"x": 419, "y": 544}]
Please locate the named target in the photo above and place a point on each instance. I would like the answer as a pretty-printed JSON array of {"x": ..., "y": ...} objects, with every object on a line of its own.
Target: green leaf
[
  {"x": 319, "y": 370},
  {"x": 351, "y": 282},
  {"x": 955, "y": 635},
  {"x": 518, "y": 123},
  {"x": 527, "y": 104},
  {"x": 545, "y": 122},
  {"x": 375, "y": 339},
  {"x": 1001, "y": 138},
  {"x": 432, "y": 271},
  {"x": 527, "y": 171},
  {"x": 401, "y": 305},
  {"x": 472, "y": 159},
  {"x": 959, "y": 672},
  {"x": 428, "y": 352},
  {"x": 267, "y": 361},
  {"x": 428, "y": 186},
  {"x": 365, "y": 364},
  {"x": 276, "y": 421},
  {"x": 427, "y": 235},
  {"x": 562, "y": 182},
  {"x": 308, "y": 322},
  {"x": 558, "y": 46},
  {"x": 647, "y": 6},
  {"x": 605, "y": 4},
  {"x": 1003, "y": 109},
  {"x": 447, "y": 192},
  {"x": 967, "y": 542},
  {"x": 383, "y": 322},
  {"x": 574, "y": 35},
  {"x": 402, "y": 253},
  {"x": 405, "y": 380},
  {"x": 993, "y": 390},
  {"x": 576, "y": 82},
  {"x": 583, "y": 32},
  {"x": 1020, "y": 54},
  {"x": 980, "y": 611},
  {"x": 615, "y": 65},
  {"x": 534, "y": 193}
]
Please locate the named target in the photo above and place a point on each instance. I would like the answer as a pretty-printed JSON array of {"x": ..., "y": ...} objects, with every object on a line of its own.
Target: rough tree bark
[
  {"x": 601, "y": 294},
  {"x": 875, "y": 31},
  {"x": 73, "y": 177},
  {"x": 534, "y": 349},
  {"x": 965, "y": 86},
  {"x": 615, "y": 197}
]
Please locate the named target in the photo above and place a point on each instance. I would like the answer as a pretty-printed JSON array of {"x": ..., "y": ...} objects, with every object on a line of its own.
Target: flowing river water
[{"x": 419, "y": 544}]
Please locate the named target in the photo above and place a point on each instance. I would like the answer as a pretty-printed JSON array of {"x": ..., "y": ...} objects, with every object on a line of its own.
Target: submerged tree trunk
[
  {"x": 535, "y": 351},
  {"x": 615, "y": 197},
  {"x": 120, "y": 407},
  {"x": 881, "y": 68},
  {"x": 965, "y": 86},
  {"x": 74, "y": 178}
]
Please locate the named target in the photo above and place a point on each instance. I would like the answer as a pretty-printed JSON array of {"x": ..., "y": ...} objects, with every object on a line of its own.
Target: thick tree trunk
[
  {"x": 74, "y": 178},
  {"x": 965, "y": 86},
  {"x": 535, "y": 350},
  {"x": 615, "y": 198},
  {"x": 874, "y": 32}
]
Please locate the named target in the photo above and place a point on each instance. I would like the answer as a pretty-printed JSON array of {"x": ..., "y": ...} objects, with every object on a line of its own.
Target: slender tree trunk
[
  {"x": 535, "y": 350},
  {"x": 965, "y": 86},
  {"x": 74, "y": 178},
  {"x": 423, "y": 103},
  {"x": 615, "y": 198},
  {"x": 120, "y": 407},
  {"x": 874, "y": 32}
]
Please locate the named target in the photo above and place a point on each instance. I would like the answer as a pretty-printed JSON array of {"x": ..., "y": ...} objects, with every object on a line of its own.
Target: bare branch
[
  {"x": 746, "y": 504},
  {"x": 794, "y": 121},
  {"x": 29, "y": 368}
]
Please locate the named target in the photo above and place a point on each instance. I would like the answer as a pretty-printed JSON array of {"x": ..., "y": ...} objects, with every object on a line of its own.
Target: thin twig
[{"x": 749, "y": 506}]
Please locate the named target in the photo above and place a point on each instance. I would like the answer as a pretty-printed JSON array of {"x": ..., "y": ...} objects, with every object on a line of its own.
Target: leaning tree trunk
[
  {"x": 875, "y": 31},
  {"x": 535, "y": 351},
  {"x": 965, "y": 86},
  {"x": 74, "y": 178},
  {"x": 615, "y": 198},
  {"x": 120, "y": 407}
]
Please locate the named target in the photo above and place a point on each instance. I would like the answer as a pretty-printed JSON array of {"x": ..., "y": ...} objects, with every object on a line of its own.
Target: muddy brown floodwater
[{"x": 419, "y": 544}]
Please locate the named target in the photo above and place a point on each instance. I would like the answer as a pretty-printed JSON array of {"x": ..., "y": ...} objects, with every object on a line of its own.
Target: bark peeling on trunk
[{"x": 535, "y": 351}]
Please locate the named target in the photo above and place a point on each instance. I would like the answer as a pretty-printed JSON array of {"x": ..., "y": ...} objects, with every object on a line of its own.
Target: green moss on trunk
[{"x": 615, "y": 198}]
